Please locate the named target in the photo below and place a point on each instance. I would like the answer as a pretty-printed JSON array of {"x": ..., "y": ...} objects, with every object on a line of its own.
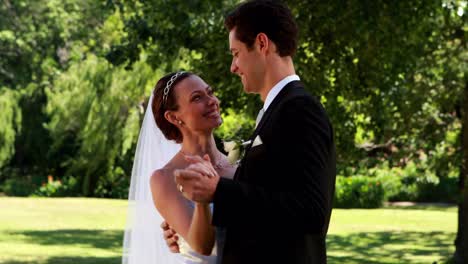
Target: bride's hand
[
  {"x": 201, "y": 165},
  {"x": 194, "y": 185}
]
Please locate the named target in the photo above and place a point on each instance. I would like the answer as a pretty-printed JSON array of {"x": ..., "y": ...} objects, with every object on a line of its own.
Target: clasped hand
[{"x": 198, "y": 181}]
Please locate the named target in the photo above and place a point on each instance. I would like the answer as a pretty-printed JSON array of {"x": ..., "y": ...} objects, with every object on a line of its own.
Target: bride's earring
[{"x": 179, "y": 122}]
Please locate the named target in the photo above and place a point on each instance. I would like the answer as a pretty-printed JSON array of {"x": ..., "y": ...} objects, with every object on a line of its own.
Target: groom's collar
[{"x": 277, "y": 88}]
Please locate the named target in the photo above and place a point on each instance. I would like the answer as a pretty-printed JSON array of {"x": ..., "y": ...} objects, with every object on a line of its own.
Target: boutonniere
[{"x": 235, "y": 150}]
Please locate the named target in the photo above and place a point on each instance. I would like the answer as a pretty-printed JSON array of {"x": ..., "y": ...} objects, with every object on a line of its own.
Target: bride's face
[{"x": 198, "y": 107}]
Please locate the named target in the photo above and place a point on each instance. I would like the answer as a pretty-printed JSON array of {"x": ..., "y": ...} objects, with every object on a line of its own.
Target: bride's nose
[{"x": 213, "y": 100}]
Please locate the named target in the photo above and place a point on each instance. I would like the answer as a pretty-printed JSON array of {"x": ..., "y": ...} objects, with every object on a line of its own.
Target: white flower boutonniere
[{"x": 235, "y": 150}]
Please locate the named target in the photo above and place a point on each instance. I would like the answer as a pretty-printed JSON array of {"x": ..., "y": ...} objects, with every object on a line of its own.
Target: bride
[{"x": 179, "y": 122}]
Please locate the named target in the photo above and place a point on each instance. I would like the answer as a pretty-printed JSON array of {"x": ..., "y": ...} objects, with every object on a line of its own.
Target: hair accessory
[{"x": 168, "y": 87}]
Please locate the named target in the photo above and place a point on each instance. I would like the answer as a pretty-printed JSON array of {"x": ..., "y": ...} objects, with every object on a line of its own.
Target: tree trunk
[{"x": 461, "y": 241}]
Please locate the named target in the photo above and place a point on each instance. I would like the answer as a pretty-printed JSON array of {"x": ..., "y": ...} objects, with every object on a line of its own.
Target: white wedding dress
[
  {"x": 189, "y": 256},
  {"x": 143, "y": 238}
]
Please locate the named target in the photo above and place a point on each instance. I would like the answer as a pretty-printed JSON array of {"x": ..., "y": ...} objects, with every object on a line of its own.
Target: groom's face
[{"x": 246, "y": 63}]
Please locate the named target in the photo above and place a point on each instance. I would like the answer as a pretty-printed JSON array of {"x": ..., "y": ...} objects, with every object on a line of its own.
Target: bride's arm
[
  {"x": 201, "y": 233},
  {"x": 194, "y": 225}
]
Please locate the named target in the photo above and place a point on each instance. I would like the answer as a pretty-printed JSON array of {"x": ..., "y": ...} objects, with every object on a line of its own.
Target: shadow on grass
[
  {"x": 435, "y": 207},
  {"x": 72, "y": 260},
  {"x": 389, "y": 247},
  {"x": 103, "y": 239},
  {"x": 373, "y": 247}
]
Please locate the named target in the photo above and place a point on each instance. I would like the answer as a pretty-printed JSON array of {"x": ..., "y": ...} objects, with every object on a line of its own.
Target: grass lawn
[
  {"x": 392, "y": 235},
  {"x": 64, "y": 230},
  {"x": 85, "y": 231}
]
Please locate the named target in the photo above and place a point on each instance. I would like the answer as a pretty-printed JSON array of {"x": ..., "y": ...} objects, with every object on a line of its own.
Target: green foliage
[
  {"x": 10, "y": 123},
  {"x": 20, "y": 186},
  {"x": 409, "y": 178},
  {"x": 358, "y": 192},
  {"x": 201, "y": 44},
  {"x": 36, "y": 36},
  {"x": 445, "y": 191},
  {"x": 415, "y": 182},
  {"x": 38, "y": 40},
  {"x": 115, "y": 185},
  {"x": 99, "y": 107},
  {"x": 235, "y": 126},
  {"x": 58, "y": 188}
]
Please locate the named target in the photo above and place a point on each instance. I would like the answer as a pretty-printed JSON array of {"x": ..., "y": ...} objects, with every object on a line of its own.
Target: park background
[{"x": 75, "y": 77}]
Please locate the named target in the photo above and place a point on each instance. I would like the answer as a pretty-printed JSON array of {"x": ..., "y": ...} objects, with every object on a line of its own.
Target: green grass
[
  {"x": 81, "y": 231},
  {"x": 85, "y": 231},
  {"x": 392, "y": 235}
]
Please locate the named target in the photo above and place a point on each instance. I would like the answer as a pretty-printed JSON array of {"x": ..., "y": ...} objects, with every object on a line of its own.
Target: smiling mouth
[{"x": 212, "y": 114}]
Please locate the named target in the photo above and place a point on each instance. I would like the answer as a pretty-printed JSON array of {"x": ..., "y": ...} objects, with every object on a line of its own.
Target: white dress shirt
[
  {"x": 273, "y": 93},
  {"x": 277, "y": 89}
]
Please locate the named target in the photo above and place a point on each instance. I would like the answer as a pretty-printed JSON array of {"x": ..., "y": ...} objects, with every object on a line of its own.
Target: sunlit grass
[
  {"x": 392, "y": 235},
  {"x": 77, "y": 230},
  {"x": 89, "y": 231}
]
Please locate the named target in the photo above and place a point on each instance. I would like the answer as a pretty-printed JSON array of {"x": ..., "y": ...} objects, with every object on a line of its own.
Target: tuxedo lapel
[
  {"x": 266, "y": 116},
  {"x": 283, "y": 93}
]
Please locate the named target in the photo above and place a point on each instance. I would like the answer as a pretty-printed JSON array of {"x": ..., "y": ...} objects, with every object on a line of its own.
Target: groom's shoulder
[
  {"x": 299, "y": 100},
  {"x": 297, "y": 89},
  {"x": 297, "y": 94}
]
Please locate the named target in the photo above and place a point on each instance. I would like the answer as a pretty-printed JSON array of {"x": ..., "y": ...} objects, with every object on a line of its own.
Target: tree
[
  {"x": 38, "y": 39},
  {"x": 10, "y": 118},
  {"x": 461, "y": 241},
  {"x": 98, "y": 108}
]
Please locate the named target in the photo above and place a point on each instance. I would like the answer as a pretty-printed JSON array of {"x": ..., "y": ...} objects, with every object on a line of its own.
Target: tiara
[{"x": 168, "y": 87}]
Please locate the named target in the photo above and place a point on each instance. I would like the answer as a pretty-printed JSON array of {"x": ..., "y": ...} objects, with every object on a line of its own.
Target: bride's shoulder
[
  {"x": 162, "y": 187},
  {"x": 162, "y": 177}
]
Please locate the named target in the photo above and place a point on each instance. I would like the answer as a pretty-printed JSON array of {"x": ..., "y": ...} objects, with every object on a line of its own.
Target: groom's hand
[
  {"x": 171, "y": 237},
  {"x": 198, "y": 181}
]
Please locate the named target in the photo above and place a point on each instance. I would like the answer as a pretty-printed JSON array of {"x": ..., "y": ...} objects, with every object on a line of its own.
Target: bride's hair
[{"x": 159, "y": 107}]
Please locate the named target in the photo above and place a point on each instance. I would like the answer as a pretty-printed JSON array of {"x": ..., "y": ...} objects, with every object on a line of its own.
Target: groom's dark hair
[
  {"x": 159, "y": 107},
  {"x": 272, "y": 18}
]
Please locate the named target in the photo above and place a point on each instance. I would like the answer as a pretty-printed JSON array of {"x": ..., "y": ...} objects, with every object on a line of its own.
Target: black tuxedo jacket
[{"x": 277, "y": 208}]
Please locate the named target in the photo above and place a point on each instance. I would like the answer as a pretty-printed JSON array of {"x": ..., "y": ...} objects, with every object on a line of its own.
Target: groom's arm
[{"x": 307, "y": 140}]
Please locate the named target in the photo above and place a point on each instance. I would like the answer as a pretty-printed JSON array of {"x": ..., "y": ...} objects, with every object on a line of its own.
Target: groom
[{"x": 278, "y": 206}]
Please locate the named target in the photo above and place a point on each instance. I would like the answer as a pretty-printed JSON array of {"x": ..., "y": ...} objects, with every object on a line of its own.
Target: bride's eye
[{"x": 196, "y": 98}]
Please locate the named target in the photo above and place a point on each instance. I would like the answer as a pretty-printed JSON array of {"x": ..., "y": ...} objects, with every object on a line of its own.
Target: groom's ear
[
  {"x": 171, "y": 117},
  {"x": 263, "y": 42}
]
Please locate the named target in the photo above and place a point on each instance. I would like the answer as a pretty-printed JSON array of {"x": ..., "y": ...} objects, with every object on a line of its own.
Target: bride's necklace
[{"x": 219, "y": 165}]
